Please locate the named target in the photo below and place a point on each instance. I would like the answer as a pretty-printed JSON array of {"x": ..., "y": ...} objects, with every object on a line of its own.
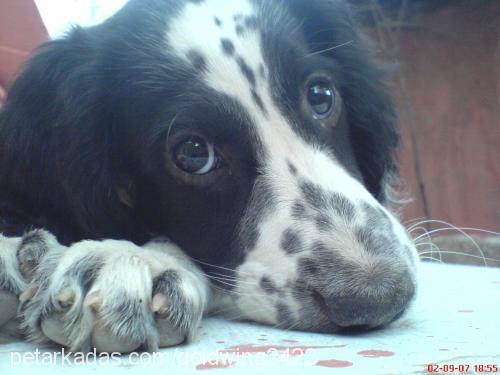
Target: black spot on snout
[
  {"x": 268, "y": 285},
  {"x": 308, "y": 267},
  {"x": 292, "y": 168},
  {"x": 291, "y": 242},
  {"x": 313, "y": 195},
  {"x": 324, "y": 223},
  {"x": 258, "y": 100},
  {"x": 246, "y": 70},
  {"x": 227, "y": 46},
  {"x": 299, "y": 211},
  {"x": 342, "y": 206}
]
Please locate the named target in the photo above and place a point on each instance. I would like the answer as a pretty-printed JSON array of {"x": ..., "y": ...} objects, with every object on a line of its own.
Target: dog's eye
[
  {"x": 195, "y": 155},
  {"x": 321, "y": 98}
]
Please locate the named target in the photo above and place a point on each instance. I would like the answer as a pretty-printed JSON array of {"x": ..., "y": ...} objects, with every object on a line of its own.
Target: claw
[
  {"x": 67, "y": 297},
  {"x": 28, "y": 294},
  {"x": 159, "y": 304},
  {"x": 94, "y": 301}
]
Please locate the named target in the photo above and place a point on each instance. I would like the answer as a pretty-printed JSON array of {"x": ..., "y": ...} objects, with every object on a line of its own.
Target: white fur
[
  {"x": 8, "y": 257},
  {"x": 124, "y": 277}
]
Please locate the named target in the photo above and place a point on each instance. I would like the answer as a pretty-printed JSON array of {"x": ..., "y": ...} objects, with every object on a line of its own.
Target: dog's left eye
[
  {"x": 321, "y": 98},
  {"x": 195, "y": 155}
]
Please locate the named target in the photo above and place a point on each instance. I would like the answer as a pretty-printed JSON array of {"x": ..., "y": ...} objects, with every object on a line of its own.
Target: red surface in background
[
  {"x": 21, "y": 31},
  {"x": 452, "y": 65}
]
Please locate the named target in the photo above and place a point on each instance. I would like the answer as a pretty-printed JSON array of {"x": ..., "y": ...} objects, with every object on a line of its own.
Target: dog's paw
[
  {"x": 115, "y": 297},
  {"x": 12, "y": 282}
]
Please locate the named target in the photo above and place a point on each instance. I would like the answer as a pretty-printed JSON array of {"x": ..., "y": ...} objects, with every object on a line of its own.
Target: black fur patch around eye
[
  {"x": 227, "y": 46},
  {"x": 291, "y": 242}
]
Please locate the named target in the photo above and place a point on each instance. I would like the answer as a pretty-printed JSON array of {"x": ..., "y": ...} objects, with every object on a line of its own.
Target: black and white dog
[{"x": 187, "y": 157}]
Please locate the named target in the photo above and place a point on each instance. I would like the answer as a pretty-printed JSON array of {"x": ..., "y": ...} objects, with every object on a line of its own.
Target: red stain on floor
[
  {"x": 211, "y": 365},
  {"x": 252, "y": 348},
  {"x": 290, "y": 340},
  {"x": 262, "y": 339},
  {"x": 465, "y": 311},
  {"x": 376, "y": 353},
  {"x": 333, "y": 363}
]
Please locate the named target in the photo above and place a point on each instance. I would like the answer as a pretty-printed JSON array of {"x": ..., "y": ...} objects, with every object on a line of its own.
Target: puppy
[{"x": 187, "y": 157}]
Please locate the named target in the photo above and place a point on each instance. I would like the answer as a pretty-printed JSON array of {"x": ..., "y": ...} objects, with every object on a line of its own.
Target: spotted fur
[{"x": 291, "y": 229}]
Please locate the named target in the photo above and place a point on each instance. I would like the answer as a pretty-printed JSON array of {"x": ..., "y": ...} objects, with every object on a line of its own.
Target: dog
[{"x": 193, "y": 157}]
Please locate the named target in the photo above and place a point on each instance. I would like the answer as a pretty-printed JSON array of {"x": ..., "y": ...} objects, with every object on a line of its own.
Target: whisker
[
  {"x": 328, "y": 49},
  {"x": 219, "y": 267},
  {"x": 453, "y": 227},
  {"x": 432, "y": 259},
  {"x": 465, "y": 254}
]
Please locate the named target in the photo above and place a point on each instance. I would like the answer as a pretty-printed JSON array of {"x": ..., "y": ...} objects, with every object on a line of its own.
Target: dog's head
[{"x": 255, "y": 134}]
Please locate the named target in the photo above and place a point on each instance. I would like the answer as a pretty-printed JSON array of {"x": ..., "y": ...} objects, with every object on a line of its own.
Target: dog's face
[
  {"x": 260, "y": 172},
  {"x": 258, "y": 136}
]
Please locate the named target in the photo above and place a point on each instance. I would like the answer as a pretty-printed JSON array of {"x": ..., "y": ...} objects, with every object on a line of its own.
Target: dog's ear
[
  {"x": 58, "y": 147},
  {"x": 330, "y": 30}
]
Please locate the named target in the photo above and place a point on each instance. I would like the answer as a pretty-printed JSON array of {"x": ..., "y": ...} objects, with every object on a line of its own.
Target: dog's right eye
[{"x": 195, "y": 155}]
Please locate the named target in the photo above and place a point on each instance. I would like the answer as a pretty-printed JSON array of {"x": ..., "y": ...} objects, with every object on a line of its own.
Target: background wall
[
  {"x": 447, "y": 86},
  {"x": 21, "y": 30}
]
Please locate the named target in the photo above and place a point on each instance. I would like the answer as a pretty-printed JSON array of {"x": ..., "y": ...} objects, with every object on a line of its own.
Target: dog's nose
[{"x": 370, "y": 305}]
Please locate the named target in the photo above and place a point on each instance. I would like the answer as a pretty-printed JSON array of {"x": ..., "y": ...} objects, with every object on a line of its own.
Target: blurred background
[{"x": 444, "y": 57}]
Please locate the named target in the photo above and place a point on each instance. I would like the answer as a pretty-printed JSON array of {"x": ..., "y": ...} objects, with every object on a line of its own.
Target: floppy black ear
[
  {"x": 56, "y": 141},
  {"x": 370, "y": 110}
]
